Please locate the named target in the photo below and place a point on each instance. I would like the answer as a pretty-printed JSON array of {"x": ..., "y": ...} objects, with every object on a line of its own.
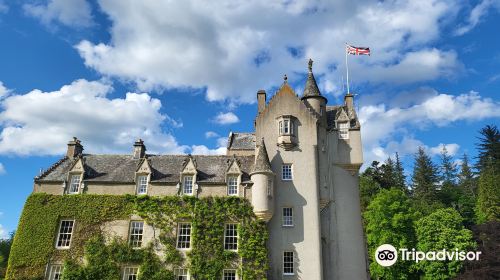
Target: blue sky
[{"x": 183, "y": 75}]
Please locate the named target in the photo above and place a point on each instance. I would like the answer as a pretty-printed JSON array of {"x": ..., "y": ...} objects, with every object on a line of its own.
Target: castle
[{"x": 299, "y": 169}]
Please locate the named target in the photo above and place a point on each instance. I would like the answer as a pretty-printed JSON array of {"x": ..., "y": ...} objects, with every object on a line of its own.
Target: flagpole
[{"x": 347, "y": 69}]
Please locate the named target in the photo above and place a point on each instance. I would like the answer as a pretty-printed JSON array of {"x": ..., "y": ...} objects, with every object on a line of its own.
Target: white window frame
[
  {"x": 65, "y": 234},
  {"x": 343, "y": 130},
  {"x": 232, "y": 186},
  {"x": 229, "y": 240},
  {"x": 182, "y": 272},
  {"x": 55, "y": 272},
  {"x": 283, "y": 172},
  {"x": 142, "y": 184},
  {"x": 287, "y": 219},
  {"x": 181, "y": 234},
  {"x": 286, "y": 126},
  {"x": 136, "y": 233},
  {"x": 270, "y": 187},
  {"x": 184, "y": 180},
  {"x": 76, "y": 181},
  {"x": 229, "y": 270},
  {"x": 286, "y": 261},
  {"x": 130, "y": 271}
]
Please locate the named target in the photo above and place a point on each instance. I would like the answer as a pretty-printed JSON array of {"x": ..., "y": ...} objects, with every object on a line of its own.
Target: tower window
[
  {"x": 187, "y": 187},
  {"x": 184, "y": 236},
  {"x": 286, "y": 127},
  {"x": 287, "y": 216},
  {"x": 136, "y": 232},
  {"x": 55, "y": 272},
  {"x": 231, "y": 237},
  {"x": 286, "y": 172},
  {"x": 74, "y": 186},
  {"x": 130, "y": 273},
  {"x": 343, "y": 130},
  {"x": 232, "y": 185},
  {"x": 229, "y": 274},
  {"x": 288, "y": 263},
  {"x": 65, "y": 233},
  {"x": 181, "y": 274},
  {"x": 142, "y": 184}
]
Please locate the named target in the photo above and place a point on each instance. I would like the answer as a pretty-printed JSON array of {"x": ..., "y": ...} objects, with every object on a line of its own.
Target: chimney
[
  {"x": 261, "y": 100},
  {"x": 139, "y": 149},
  {"x": 349, "y": 102},
  {"x": 74, "y": 148}
]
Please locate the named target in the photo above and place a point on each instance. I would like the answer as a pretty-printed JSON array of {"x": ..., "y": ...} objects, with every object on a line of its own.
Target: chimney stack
[
  {"x": 139, "y": 149},
  {"x": 75, "y": 148},
  {"x": 261, "y": 100},
  {"x": 349, "y": 102}
]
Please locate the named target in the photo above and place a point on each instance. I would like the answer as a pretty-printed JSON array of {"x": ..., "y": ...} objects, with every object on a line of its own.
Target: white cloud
[
  {"x": 3, "y": 233},
  {"x": 211, "y": 134},
  {"x": 203, "y": 150},
  {"x": 222, "y": 142},
  {"x": 2, "y": 171},
  {"x": 3, "y": 91},
  {"x": 231, "y": 48},
  {"x": 75, "y": 13},
  {"x": 226, "y": 118},
  {"x": 3, "y": 7},
  {"x": 382, "y": 125},
  {"x": 451, "y": 148},
  {"x": 476, "y": 14},
  {"x": 41, "y": 123}
]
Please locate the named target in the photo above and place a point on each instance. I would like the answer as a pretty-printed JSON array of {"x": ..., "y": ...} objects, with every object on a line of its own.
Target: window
[
  {"x": 343, "y": 130},
  {"x": 65, "y": 232},
  {"x": 287, "y": 216},
  {"x": 232, "y": 186},
  {"x": 74, "y": 185},
  {"x": 55, "y": 272},
  {"x": 188, "y": 185},
  {"x": 286, "y": 127},
  {"x": 229, "y": 274},
  {"x": 130, "y": 273},
  {"x": 184, "y": 236},
  {"x": 231, "y": 237},
  {"x": 181, "y": 274},
  {"x": 136, "y": 231},
  {"x": 286, "y": 172},
  {"x": 288, "y": 263},
  {"x": 269, "y": 187},
  {"x": 142, "y": 184}
]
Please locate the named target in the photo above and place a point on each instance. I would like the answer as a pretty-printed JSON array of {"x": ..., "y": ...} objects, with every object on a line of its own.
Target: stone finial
[
  {"x": 285, "y": 79},
  {"x": 310, "y": 67}
]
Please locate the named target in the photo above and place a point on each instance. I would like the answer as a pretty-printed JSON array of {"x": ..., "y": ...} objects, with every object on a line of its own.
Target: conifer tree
[
  {"x": 425, "y": 180},
  {"x": 468, "y": 192},
  {"x": 489, "y": 148},
  {"x": 399, "y": 175},
  {"x": 449, "y": 191},
  {"x": 466, "y": 179}
]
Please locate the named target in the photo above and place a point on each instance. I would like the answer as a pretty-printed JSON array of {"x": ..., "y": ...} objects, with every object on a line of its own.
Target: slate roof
[
  {"x": 241, "y": 141},
  {"x": 333, "y": 113},
  {"x": 262, "y": 163},
  {"x": 311, "y": 87},
  {"x": 165, "y": 168}
]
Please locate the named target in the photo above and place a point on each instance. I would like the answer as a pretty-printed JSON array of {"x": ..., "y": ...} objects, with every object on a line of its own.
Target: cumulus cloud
[
  {"x": 203, "y": 150},
  {"x": 232, "y": 48},
  {"x": 3, "y": 233},
  {"x": 476, "y": 14},
  {"x": 211, "y": 134},
  {"x": 383, "y": 126},
  {"x": 2, "y": 171},
  {"x": 452, "y": 149},
  {"x": 3, "y": 91},
  {"x": 75, "y": 13},
  {"x": 41, "y": 123},
  {"x": 226, "y": 118}
]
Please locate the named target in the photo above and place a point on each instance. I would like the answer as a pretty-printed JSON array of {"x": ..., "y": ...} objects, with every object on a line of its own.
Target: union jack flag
[{"x": 357, "y": 50}]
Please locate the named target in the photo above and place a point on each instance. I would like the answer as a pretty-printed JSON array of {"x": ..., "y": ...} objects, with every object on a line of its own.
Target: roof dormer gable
[
  {"x": 189, "y": 166},
  {"x": 144, "y": 167},
  {"x": 233, "y": 167},
  {"x": 78, "y": 166}
]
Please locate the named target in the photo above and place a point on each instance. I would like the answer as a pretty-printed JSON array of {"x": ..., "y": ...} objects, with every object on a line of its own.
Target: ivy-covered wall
[{"x": 34, "y": 242}]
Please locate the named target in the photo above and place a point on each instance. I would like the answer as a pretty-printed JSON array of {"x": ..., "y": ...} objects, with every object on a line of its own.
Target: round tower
[
  {"x": 312, "y": 97},
  {"x": 262, "y": 190}
]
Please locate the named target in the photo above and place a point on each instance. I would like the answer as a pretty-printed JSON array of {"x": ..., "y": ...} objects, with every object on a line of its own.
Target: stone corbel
[{"x": 351, "y": 168}]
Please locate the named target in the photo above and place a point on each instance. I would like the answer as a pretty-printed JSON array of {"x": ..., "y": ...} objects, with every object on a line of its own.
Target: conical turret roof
[
  {"x": 262, "y": 164},
  {"x": 311, "y": 89}
]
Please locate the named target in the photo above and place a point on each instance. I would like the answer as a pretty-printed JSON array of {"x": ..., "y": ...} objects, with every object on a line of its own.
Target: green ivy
[{"x": 33, "y": 245}]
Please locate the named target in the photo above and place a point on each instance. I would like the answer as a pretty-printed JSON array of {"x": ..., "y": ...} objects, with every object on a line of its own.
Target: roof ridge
[{"x": 51, "y": 168}]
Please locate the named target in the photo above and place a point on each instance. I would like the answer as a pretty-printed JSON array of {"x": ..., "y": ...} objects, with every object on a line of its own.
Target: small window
[
  {"x": 286, "y": 173},
  {"x": 286, "y": 127},
  {"x": 55, "y": 272},
  {"x": 142, "y": 184},
  {"x": 270, "y": 187},
  {"x": 287, "y": 216},
  {"x": 130, "y": 273},
  {"x": 229, "y": 274},
  {"x": 231, "y": 237},
  {"x": 288, "y": 263},
  {"x": 232, "y": 186},
  {"x": 343, "y": 130},
  {"x": 187, "y": 186},
  {"x": 184, "y": 236},
  {"x": 74, "y": 186},
  {"x": 181, "y": 274},
  {"x": 65, "y": 232},
  {"x": 136, "y": 232}
]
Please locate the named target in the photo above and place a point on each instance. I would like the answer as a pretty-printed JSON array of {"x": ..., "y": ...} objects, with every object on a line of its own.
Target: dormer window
[
  {"x": 286, "y": 127},
  {"x": 142, "y": 184},
  {"x": 187, "y": 185},
  {"x": 343, "y": 130},
  {"x": 286, "y": 131},
  {"x": 74, "y": 185}
]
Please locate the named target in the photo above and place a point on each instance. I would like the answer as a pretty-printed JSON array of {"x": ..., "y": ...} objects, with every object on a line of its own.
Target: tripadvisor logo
[{"x": 387, "y": 255}]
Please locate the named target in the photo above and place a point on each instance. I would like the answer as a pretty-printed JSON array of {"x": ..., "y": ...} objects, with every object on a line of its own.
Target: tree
[
  {"x": 488, "y": 201},
  {"x": 466, "y": 177},
  {"x": 489, "y": 148},
  {"x": 368, "y": 188},
  {"x": 425, "y": 179},
  {"x": 443, "y": 229},
  {"x": 468, "y": 192},
  {"x": 389, "y": 219},
  {"x": 449, "y": 191},
  {"x": 399, "y": 175},
  {"x": 5, "y": 245}
]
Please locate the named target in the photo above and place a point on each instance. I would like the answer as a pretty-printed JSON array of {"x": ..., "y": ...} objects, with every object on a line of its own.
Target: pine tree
[
  {"x": 468, "y": 192},
  {"x": 399, "y": 175},
  {"x": 425, "y": 181},
  {"x": 466, "y": 177},
  {"x": 449, "y": 192},
  {"x": 489, "y": 148}
]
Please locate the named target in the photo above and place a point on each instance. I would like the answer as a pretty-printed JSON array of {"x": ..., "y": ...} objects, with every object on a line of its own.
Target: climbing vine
[{"x": 33, "y": 246}]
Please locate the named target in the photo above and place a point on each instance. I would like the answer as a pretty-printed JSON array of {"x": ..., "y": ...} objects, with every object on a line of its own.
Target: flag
[{"x": 357, "y": 50}]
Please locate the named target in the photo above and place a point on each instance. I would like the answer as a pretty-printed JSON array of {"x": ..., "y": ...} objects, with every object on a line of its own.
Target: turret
[
  {"x": 312, "y": 97},
  {"x": 262, "y": 177}
]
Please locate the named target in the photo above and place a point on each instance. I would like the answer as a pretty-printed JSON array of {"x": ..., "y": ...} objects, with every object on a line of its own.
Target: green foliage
[
  {"x": 33, "y": 246},
  {"x": 488, "y": 202},
  {"x": 442, "y": 229},
  {"x": 5, "y": 245},
  {"x": 368, "y": 188},
  {"x": 425, "y": 179},
  {"x": 489, "y": 148},
  {"x": 389, "y": 219}
]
